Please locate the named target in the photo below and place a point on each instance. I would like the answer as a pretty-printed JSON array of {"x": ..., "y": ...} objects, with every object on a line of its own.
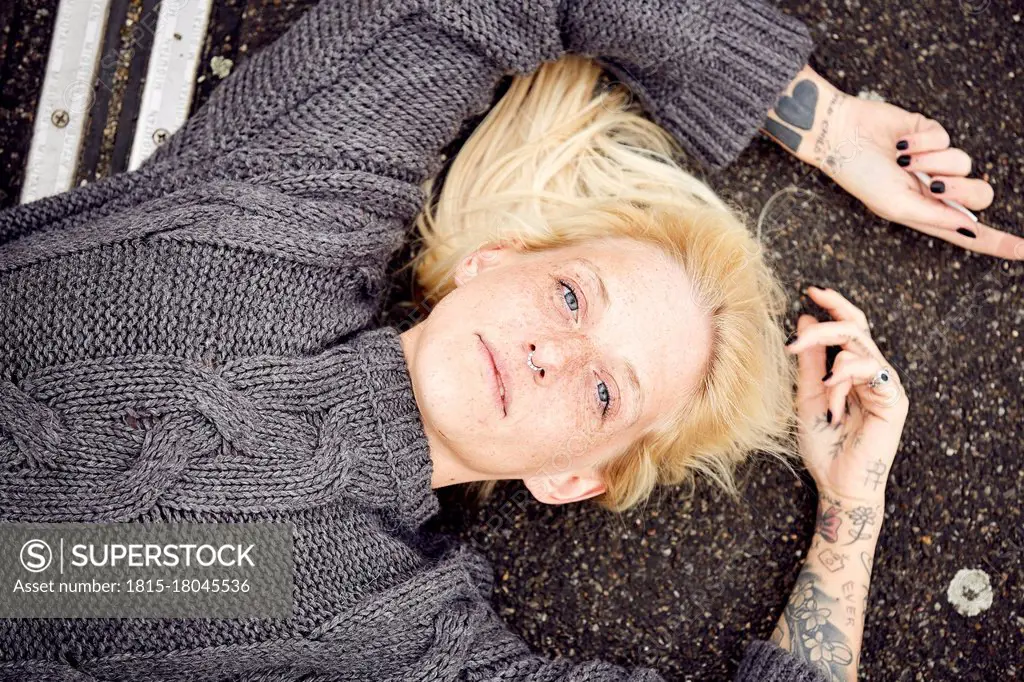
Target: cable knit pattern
[{"x": 196, "y": 340}]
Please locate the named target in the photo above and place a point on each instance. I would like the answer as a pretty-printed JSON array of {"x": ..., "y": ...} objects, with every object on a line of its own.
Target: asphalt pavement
[{"x": 683, "y": 583}]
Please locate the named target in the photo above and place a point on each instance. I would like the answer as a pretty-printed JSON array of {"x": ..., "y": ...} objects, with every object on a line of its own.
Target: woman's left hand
[
  {"x": 873, "y": 149},
  {"x": 850, "y": 421},
  {"x": 860, "y": 144}
]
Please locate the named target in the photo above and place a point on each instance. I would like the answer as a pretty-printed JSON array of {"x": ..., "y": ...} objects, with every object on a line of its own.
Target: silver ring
[
  {"x": 881, "y": 378},
  {"x": 529, "y": 361}
]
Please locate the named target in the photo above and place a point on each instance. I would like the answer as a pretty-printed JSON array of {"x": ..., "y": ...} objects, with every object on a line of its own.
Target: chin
[{"x": 450, "y": 388}]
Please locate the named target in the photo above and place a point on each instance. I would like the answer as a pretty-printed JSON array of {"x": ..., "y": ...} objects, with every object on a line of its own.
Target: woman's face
[{"x": 612, "y": 324}]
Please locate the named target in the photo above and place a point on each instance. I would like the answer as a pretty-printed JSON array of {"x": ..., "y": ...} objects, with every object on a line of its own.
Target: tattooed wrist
[
  {"x": 846, "y": 522},
  {"x": 871, "y": 484},
  {"x": 805, "y": 121}
]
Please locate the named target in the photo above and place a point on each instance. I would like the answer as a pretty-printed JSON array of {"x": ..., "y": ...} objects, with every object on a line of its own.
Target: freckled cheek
[
  {"x": 528, "y": 313},
  {"x": 566, "y": 453},
  {"x": 562, "y": 428}
]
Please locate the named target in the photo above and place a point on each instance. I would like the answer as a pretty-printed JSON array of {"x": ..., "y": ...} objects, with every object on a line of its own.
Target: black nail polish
[
  {"x": 902, "y": 145},
  {"x": 903, "y": 160},
  {"x": 791, "y": 341},
  {"x": 937, "y": 187},
  {"x": 827, "y": 376},
  {"x": 828, "y": 416},
  {"x": 967, "y": 233}
]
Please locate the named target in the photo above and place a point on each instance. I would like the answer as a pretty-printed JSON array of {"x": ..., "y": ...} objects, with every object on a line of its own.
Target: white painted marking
[
  {"x": 65, "y": 99},
  {"x": 170, "y": 79}
]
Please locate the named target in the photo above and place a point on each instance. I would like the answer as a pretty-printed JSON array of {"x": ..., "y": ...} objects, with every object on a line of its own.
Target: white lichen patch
[
  {"x": 970, "y": 592},
  {"x": 221, "y": 66}
]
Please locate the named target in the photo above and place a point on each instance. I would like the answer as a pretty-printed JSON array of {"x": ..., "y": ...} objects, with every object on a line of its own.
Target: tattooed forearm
[
  {"x": 786, "y": 136},
  {"x": 832, "y": 560},
  {"x": 804, "y": 121},
  {"x": 828, "y": 523},
  {"x": 862, "y": 519},
  {"x": 813, "y": 634},
  {"x": 823, "y": 622}
]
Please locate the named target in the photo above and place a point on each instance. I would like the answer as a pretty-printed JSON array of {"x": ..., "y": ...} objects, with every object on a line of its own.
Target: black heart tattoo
[{"x": 798, "y": 110}]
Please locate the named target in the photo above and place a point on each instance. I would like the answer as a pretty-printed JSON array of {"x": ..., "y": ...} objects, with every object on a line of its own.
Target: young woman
[{"x": 196, "y": 341}]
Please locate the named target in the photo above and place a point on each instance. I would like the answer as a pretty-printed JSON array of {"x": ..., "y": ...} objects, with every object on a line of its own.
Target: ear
[
  {"x": 569, "y": 486},
  {"x": 479, "y": 261}
]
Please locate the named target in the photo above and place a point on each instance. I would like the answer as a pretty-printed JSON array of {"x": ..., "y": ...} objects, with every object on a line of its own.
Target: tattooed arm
[
  {"x": 874, "y": 151},
  {"x": 803, "y": 117},
  {"x": 851, "y": 419},
  {"x": 823, "y": 623}
]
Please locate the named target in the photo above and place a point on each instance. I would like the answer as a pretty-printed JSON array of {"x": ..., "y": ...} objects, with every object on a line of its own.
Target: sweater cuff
[
  {"x": 764, "y": 661},
  {"x": 757, "y": 51}
]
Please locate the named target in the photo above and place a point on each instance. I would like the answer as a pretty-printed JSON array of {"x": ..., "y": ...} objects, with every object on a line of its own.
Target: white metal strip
[
  {"x": 170, "y": 78},
  {"x": 66, "y": 98}
]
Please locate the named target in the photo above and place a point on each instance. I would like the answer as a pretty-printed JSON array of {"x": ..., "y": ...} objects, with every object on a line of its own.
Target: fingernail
[
  {"x": 903, "y": 160},
  {"x": 902, "y": 145},
  {"x": 828, "y": 416},
  {"x": 967, "y": 233},
  {"x": 938, "y": 187},
  {"x": 827, "y": 376},
  {"x": 791, "y": 341}
]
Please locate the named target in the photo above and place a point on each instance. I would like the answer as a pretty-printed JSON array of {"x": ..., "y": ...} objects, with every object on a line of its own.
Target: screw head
[
  {"x": 160, "y": 135},
  {"x": 60, "y": 118}
]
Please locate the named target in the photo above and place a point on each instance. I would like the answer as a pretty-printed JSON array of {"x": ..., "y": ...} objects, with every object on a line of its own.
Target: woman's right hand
[{"x": 849, "y": 432}]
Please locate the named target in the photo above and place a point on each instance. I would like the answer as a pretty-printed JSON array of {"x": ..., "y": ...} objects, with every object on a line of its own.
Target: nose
[{"x": 558, "y": 355}]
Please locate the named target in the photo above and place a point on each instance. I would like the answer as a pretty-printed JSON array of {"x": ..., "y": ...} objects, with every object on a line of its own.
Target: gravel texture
[{"x": 683, "y": 583}]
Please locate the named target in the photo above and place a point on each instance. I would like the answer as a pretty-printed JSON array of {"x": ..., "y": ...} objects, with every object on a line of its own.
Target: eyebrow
[{"x": 630, "y": 370}]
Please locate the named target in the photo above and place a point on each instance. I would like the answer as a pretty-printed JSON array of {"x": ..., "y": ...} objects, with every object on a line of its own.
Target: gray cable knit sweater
[{"x": 194, "y": 341}]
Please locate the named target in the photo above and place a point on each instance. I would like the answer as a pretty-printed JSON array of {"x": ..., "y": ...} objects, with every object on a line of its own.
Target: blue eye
[
  {"x": 604, "y": 396},
  {"x": 570, "y": 296}
]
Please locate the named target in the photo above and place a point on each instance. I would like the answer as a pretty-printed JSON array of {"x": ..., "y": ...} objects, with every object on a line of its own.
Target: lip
[{"x": 497, "y": 381}]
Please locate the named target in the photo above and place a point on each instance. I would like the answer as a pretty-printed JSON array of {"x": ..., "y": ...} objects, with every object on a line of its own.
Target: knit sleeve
[
  {"x": 707, "y": 71},
  {"x": 385, "y": 86}
]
